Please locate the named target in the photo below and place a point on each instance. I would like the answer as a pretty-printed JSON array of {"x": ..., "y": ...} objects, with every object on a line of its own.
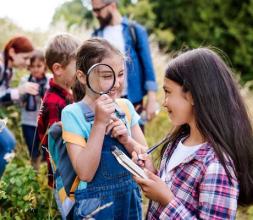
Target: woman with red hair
[{"x": 16, "y": 54}]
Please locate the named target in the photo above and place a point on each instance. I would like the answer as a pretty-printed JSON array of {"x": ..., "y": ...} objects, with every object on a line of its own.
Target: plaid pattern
[
  {"x": 200, "y": 186},
  {"x": 55, "y": 99}
]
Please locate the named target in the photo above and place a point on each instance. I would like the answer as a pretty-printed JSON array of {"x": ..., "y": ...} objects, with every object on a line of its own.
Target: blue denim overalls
[{"x": 112, "y": 186}]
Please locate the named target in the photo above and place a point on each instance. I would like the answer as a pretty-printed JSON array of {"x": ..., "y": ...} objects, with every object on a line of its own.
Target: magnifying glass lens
[{"x": 101, "y": 78}]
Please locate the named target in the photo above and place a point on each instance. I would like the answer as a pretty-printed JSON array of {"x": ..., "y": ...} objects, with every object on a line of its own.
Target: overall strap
[
  {"x": 88, "y": 114},
  {"x": 122, "y": 111},
  {"x": 124, "y": 107}
]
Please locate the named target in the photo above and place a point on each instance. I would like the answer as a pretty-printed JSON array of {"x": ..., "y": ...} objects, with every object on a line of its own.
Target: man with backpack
[{"x": 131, "y": 39}]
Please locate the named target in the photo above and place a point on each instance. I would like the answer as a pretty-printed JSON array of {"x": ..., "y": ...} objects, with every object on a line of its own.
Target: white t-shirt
[
  {"x": 114, "y": 34},
  {"x": 179, "y": 155}
]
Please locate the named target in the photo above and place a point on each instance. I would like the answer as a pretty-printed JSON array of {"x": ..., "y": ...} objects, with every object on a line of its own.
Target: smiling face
[
  {"x": 103, "y": 77},
  {"x": 178, "y": 103},
  {"x": 117, "y": 64},
  {"x": 20, "y": 60}
]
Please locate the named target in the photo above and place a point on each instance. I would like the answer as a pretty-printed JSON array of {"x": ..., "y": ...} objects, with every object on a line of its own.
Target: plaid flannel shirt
[
  {"x": 200, "y": 186},
  {"x": 55, "y": 99}
]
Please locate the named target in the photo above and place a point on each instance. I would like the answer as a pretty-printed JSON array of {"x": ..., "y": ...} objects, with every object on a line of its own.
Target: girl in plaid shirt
[{"x": 206, "y": 167}]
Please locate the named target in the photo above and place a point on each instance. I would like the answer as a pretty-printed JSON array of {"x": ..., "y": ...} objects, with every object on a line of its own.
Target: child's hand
[
  {"x": 104, "y": 108},
  {"x": 154, "y": 188},
  {"x": 29, "y": 87},
  {"x": 118, "y": 130},
  {"x": 143, "y": 160}
]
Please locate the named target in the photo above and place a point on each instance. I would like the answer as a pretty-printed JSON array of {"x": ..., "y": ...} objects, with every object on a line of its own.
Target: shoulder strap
[
  {"x": 88, "y": 114},
  {"x": 132, "y": 31},
  {"x": 124, "y": 107}
]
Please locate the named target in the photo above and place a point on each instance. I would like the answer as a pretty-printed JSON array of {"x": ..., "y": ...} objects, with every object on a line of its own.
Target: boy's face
[{"x": 68, "y": 73}]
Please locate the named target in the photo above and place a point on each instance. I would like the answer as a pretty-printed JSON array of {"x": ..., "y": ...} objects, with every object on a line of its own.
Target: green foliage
[
  {"x": 184, "y": 23},
  {"x": 140, "y": 12},
  {"x": 24, "y": 194},
  {"x": 223, "y": 24},
  {"x": 8, "y": 29},
  {"x": 73, "y": 13}
]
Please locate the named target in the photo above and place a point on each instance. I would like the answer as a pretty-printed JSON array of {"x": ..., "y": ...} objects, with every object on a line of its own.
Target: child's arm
[
  {"x": 85, "y": 157},
  {"x": 217, "y": 197}
]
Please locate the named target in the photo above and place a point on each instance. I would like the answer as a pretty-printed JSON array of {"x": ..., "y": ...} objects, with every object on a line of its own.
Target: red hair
[{"x": 20, "y": 44}]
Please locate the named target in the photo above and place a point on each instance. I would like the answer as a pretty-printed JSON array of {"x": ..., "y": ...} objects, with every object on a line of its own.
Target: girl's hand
[
  {"x": 143, "y": 160},
  {"x": 154, "y": 188},
  {"x": 104, "y": 108},
  {"x": 118, "y": 130},
  {"x": 29, "y": 87}
]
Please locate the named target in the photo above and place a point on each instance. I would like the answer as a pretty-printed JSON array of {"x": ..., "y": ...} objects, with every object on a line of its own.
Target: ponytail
[{"x": 78, "y": 90}]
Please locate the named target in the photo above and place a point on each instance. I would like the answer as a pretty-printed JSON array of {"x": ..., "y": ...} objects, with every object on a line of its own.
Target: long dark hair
[
  {"x": 220, "y": 112},
  {"x": 91, "y": 52}
]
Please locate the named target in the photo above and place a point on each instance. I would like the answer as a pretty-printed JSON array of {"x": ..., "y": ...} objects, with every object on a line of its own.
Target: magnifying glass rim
[{"x": 88, "y": 74}]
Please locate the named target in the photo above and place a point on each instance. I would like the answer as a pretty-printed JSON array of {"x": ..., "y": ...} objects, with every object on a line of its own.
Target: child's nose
[
  {"x": 117, "y": 82},
  {"x": 164, "y": 104}
]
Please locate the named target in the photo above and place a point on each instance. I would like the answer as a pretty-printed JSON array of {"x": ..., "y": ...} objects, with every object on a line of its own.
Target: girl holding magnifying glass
[{"x": 100, "y": 80}]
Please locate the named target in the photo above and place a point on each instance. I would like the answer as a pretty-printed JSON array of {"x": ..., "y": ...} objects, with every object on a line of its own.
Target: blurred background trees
[{"x": 178, "y": 24}]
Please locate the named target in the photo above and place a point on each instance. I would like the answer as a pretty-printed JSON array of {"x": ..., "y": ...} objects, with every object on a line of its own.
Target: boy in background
[{"x": 61, "y": 60}]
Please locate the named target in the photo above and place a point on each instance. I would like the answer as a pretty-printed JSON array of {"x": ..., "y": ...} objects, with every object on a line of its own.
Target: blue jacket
[{"x": 140, "y": 70}]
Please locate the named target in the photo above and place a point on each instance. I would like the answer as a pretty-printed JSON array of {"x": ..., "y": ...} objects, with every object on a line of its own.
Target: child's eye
[
  {"x": 107, "y": 76},
  {"x": 167, "y": 91},
  {"x": 120, "y": 74}
]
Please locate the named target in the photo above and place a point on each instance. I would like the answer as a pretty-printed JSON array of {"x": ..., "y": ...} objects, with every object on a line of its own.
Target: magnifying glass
[{"x": 101, "y": 78}]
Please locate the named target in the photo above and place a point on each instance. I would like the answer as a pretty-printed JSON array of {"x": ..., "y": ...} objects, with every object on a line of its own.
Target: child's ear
[
  {"x": 81, "y": 77},
  {"x": 189, "y": 98},
  {"x": 57, "y": 68}
]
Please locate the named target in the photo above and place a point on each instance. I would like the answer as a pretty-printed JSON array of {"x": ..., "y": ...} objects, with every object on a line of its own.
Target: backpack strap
[
  {"x": 133, "y": 33},
  {"x": 124, "y": 107},
  {"x": 131, "y": 27}
]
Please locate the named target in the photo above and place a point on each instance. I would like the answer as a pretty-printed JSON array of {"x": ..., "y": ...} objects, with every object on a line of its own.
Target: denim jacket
[{"x": 140, "y": 70}]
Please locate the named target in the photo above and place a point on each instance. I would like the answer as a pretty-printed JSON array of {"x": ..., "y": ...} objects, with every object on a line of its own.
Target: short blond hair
[{"x": 61, "y": 49}]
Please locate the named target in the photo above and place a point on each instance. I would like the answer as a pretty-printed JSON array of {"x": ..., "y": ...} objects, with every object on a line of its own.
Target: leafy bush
[
  {"x": 223, "y": 24},
  {"x": 24, "y": 194}
]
